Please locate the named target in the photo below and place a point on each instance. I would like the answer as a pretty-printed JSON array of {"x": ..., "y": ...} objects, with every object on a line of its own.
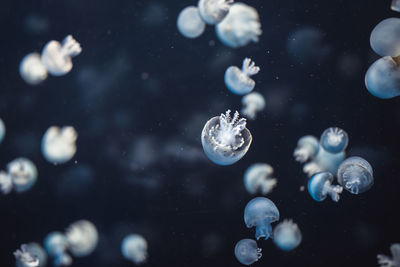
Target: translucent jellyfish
[
  {"x": 287, "y": 235},
  {"x": 226, "y": 140},
  {"x": 258, "y": 178},
  {"x": 260, "y": 212},
  {"x": 23, "y": 174},
  {"x": 6, "y": 183},
  {"x": 320, "y": 185},
  {"x": 32, "y": 69},
  {"x": 58, "y": 144},
  {"x": 334, "y": 140},
  {"x": 252, "y": 103},
  {"x": 36, "y": 250},
  {"x": 239, "y": 81},
  {"x": 214, "y": 11},
  {"x": 240, "y": 27},
  {"x": 385, "y": 38},
  {"x": 247, "y": 252},
  {"x": 355, "y": 175},
  {"x": 56, "y": 245},
  {"x": 307, "y": 148},
  {"x": 386, "y": 261},
  {"x": 82, "y": 237},
  {"x": 189, "y": 22},
  {"x": 24, "y": 258},
  {"x": 134, "y": 248},
  {"x": 395, "y": 5},
  {"x": 57, "y": 58}
]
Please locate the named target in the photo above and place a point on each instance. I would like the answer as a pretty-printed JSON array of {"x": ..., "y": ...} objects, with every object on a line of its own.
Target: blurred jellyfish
[
  {"x": 57, "y": 58},
  {"x": 24, "y": 258},
  {"x": 23, "y": 174},
  {"x": 32, "y": 69},
  {"x": 260, "y": 212},
  {"x": 36, "y": 250},
  {"x": 252, "y": 103},
  {"x": 385, "y": 38},
  {"x": 226, "y": 140},
  {"x": 386, "y": 261},
  {"x": 134, "y": 248},
  {"x": 258, "y": 178},
  {"x": 6, "y": 183},
  {"x": 214, "y": 11},
  {"x": 56, "y": 245},
  {"x": 247, "y": 252},
  {"x": 395, "y": 5},
  {"x": 189, "y": 22},
  {"x": 334, "y": 140},
  {"x": 58, "y": 144},
  {"x": 320, "y": 185},
  {"x": 287, "y": 235},
  {"x": 82, "y": 237},
  {"x": 2, "y": 130},
  {"x": 239, "y": 81},
  {"x": 355, "y": 175},
  {"x": 240, "y": 27}
]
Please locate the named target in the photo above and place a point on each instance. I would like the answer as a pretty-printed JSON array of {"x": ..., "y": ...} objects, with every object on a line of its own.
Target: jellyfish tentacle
[{"x": 70, "y": 47}]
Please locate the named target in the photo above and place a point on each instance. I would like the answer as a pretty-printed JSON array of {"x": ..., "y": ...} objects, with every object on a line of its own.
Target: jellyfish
[
  {"x": 239, "y": 81},
  {"x": 287, "y": 235},
  {"x": 247, "y": 252},
  {"x": 82, "y": 237},
  {"x": 2, "y": 130},
  {"x": 307, "y": 148},
  {"x": 385, "y": 38},
  {"x": 56, "y": 245},
  {"x": 57, "y": 58},
  {"x": 258, "y": 178},
  {"x": 134, "y": 248},
  {"x": 32, "y": 69},
  {"x": 36, "y": 250},
  {"x": 395, "y": 5},
  {"x": 386, "y": 261},
  {"x": 252, "y": 103},
  {"x": 320, "y": 185},
  {"x": 24, "y": 258},
  {"x": 355, "y": 175},
  {"x": 334, "y": 140},
  {"x": 240, "y": 27},
  {"x": 58, "y": 144},
  {"x": 6, "y": 183},
  {"x": 23, "y": 174},
  {"x": 226, "y": 140},
  {"x": 189, "y": 22},
  {"x": 214, "y": 11},
  {"x": 260, "y": 212}
]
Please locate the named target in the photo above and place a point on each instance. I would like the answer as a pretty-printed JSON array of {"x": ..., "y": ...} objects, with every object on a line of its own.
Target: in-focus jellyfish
[
  {"x": 32, "y": 69},
  {"x": 24, "y": 258},
  {"x": 82, "y": 237},
  {"x": 6, "y": 183},
  {"x": 240, "y": 27},
  {"x": 226, "y": 140},
  {"x": 57, "y": 58},
  {"x": 334, "y": 140},
  {"x": 260, "y": 212},
  {"x": 56, "y": 245},
  {"x": 287, "y": 235},
  {"x": 23, "y": 174},
  {"x": 238, "y": 81},
  {"x": 258, "y": 178},
  {"x": 252, "y": 103},
  {"x": 189, "y": 22},
  {"x": 320, "y": 185},
  {"x": 134, "y": 248},
  {"x": 58, "y": 144},
  {"x": 355, "y": 175},
  {"x": 385, "y": 38},
  {"x": 386, "y": 261},
  {"x": 247, "y": 252},
  {"x": 214, "y": 11},
  {"x": 395, "y": 5}
]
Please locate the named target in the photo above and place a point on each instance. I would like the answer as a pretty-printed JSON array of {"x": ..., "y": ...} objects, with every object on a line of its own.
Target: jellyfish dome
[
  {"x": 385, "y": 38},
  {"x": 386, "y": 261},
  {"x": 320, "y": 185},
  {"x": 260, "y": 212},
  {"x": 240, "y": 27},
  {"x": 247, "y": 252},
  {"x": 258, "y": 178},
  {"x": 57, "y": 58},
  {"x": 355, "y": 175},
  {"x": 334, "y": 140},
  {"x": 23, "y": 174},
  {"x": 395, "y": 5},
  {"x": 214, "y": 11},
  {"x": 226, "y": 140},
  {"x": 287, "y": 235},
  {"x": 239, "y": 81},
  {"x": 56, "y": 245},
  {"x": 134, "y": 248},
  {"x": 32, "y": 70},
  {"x": 252, "y": 103},
  {"x": 189, "y": 22},
  {"x": 82, "y": 237},
  {"x": 58, "y": 144},
  {"x": 24, "y": 258},
  {"x": 6, "y": 183}
]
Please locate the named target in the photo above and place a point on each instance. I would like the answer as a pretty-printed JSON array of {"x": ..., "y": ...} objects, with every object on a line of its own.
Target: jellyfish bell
[
  {"x": 247, "y": 252},
  {"x": 214, "y": 11},
  {"x": 82, "y": 237},
  {"x": 258, "y": 178},
  {"x": 23, "y": 174},
  {"x": 320, "y": 186},
  {"x": 189, "y": 22},
  {"x": 32, "y": 70},
  {"x": 58, "y": 144},
  {"x": 56, "y": 245},
  {"x": 239, "y": 81},
  {"x": 384, "y": 39},
  {"x": 134, "y": 248},
  {"x": 287, "y": 235},
  {"x": 334, "y": 140},
  {"x": 355, "y": 174},
  {"x": 252, "y": 103}
]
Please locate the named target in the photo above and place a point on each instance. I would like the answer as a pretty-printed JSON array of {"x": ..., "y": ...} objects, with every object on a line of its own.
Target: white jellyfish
[
  {"x": 240, "y": 27},
  {"x": 6, "y": 183},
  {"x": 287, "y": 235},
  {"x": 58, "y": 144},
  {"x": 134, "y": 248},
  {"x": 56, "y": 245},
  {"x": 395, "y": 5},
  {"x": 189, "y": 22},
  {"x": 32, "y": 69},
  {"x": 386, "y": 261},
  {"x": 239, "y": 81},
  {"x": 37, "y": 250},
  {"x": 214, "y": 11},
  {"x": 57, "y": 57},
  {"x": 252, "y": 103},
  {"x": 247, "y": 252},
  {"x": 82, "y": 237},
  {"x": 258, "y": 178},
  {"x": 23, "y": 174},
  {"x": 24, "y": 258}
]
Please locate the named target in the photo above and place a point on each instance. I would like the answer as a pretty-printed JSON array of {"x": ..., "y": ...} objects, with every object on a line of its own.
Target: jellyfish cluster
[
  {"x": 59, "y": 144},
  {"x": 134, "y": 248}
]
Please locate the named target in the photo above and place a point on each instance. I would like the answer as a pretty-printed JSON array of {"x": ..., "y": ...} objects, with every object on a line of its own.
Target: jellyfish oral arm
[
  {"x": 264, "y": 229},
  {"x": 70, "y": 47},
  {"x": 352, "y": 185},
  {"x": 333, "y": 191},
  {"x": 227, "y": 133},
  {"x": 385, "y": 261},
  {"x": 249, "y": 67},
  {"x": 267, "y": 185}
]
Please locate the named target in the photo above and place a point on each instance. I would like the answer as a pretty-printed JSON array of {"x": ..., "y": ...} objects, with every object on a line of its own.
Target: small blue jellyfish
[
  {"x": 82, "y": 237},
  {"x": 260, "y": 212},
  {"x": 334, "y": 140},
  {"x": 226, "y": 140},
  {"x": 320, "y": 185},
  {"x": 252, "y": 103},
  {"x": 287, "y": 235},
  {"x": 386, "y": 261},
  {"x": 23, "y": 174},
  {"x": 258, "y": 178},
  {"x": 355, "y": 175},
  {"x": 189, "y": 22},
  {"x": 239, "y": 81},
  {"x": 32, "y": 70},
  {"x": 24, "y": 258},
  {"x": 134, "y": 248},
  {"x": 395, "y": 5},
  {"x": 247, "y": 252},
  {"x": 36, "y": 250},
  {"x": 214, "y": 11},
  {"x": 385, "y": 38},
  {"x": 56, "y": 245}
]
